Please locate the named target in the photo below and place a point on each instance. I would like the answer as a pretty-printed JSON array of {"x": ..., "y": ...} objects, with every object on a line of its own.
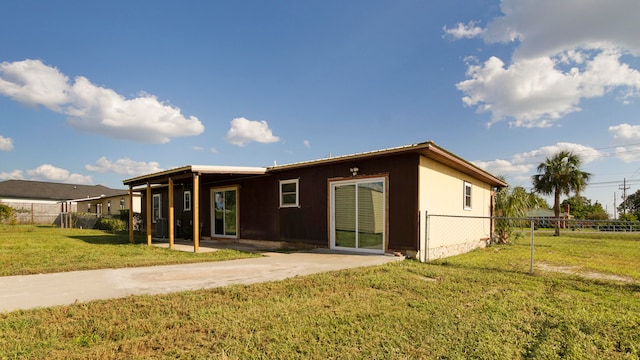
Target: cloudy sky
[{"x": 97, "y": 92}]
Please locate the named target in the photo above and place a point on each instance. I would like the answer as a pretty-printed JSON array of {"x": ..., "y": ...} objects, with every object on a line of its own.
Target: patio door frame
[
  {"x": 224, "y": 189},
  {"x": 333, "y": 183}
]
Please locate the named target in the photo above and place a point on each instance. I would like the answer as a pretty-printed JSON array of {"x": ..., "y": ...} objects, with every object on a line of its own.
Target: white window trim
[
  {"x": 185, "y": 195},
  {"x": 290, "y": 181},
  {"x": 464, "y": 195},
  {"x": 159, "y": 197}
]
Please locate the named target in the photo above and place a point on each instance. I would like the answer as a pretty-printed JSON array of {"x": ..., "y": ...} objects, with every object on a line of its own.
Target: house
[
  {"x": 40, "y": 202},
  {"x": 546, "y": 218},
  {"x": 372, "y": 202},
  {"x": 108, "y": 204}
]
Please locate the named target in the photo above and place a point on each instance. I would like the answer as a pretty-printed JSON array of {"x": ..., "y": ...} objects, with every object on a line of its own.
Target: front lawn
[
  {"x": 481, "y": 305},
  {"x": 28, "y": 249}
]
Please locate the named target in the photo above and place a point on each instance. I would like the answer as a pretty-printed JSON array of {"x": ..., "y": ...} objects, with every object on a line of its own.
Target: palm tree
[
  {"x": 511, "y": 204},
  {"x": 557, "y": 175}
]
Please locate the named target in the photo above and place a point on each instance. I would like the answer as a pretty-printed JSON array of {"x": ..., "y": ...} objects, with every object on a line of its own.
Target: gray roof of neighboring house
[
  {"x": 40, "y": 190},
  {"x": 543, "y": 213}
]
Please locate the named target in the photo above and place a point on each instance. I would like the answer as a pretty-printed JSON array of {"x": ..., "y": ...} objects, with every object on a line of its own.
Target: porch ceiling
[{"x": 186, "y": 173}]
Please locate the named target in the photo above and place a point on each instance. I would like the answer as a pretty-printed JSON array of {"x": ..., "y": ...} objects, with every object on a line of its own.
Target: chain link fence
[{"x": 447, "y": 235}]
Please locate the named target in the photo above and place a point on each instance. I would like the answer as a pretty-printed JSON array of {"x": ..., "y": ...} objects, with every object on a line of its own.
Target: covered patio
[{"x": 193, "y": 177}]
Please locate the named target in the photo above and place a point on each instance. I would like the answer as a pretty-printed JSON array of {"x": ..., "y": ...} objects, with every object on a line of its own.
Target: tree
[
  {"x": 580, "y": 207},
  {"x": 558, "y": 175},
  {"x": 631, "y": 205},
  {"x": 597, "y": 213},
  {"x": 512, "y": 203}
]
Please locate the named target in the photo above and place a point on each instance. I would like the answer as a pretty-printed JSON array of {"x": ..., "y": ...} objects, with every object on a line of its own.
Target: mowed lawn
[
  {"x": 28, "y": 249},
  {"x": 481, "y": 305}
]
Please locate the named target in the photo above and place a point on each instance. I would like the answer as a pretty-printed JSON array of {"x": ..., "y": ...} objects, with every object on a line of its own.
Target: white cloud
[
  {"x": 6, "y": 144},
  {"x": 197, "y": 148},
  {"x": 586, "y": 153},
  {"x": 13, "y": 175},
  {"x": 48, "y": 172},
  {"x": 93, "y": 108},
  {"x": 124, "y": 166},
  {"x": 532, "y": 92},
  {"x": 502, "y": 167},
  {"x": 463, "y": 31},
  {"x": 629, "y": 153},
  {"x": 244, "y": 131},
  {"x": 307, "y": 144},
  {"x": 213, "y": 150},
  {"x": 526, "y": 163},
  {"x": 566, "y": 51},
  {"x": 548, "y": 27},
  {"x": 625, "y": 132}
]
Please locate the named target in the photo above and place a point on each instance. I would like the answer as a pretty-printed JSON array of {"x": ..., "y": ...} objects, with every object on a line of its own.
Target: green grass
[
  {"x": 35, "y": 249},
  {"x": 482, "y": 305}
]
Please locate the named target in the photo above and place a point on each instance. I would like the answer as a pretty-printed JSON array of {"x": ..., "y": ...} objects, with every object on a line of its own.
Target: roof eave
[{"x": 189, "y": 170}]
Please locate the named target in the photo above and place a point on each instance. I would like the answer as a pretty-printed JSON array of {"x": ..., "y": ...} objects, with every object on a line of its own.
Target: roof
[
  {"x": 543, "y": 213},
  {"x": 428, "y": 149},
  {"x": 40, "y": 190},
  {"x": 189, "y": 170}
]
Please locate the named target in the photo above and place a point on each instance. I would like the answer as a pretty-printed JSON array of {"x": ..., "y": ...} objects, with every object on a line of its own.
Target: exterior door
[
  {"x": 358, "y": 215},
  {"x": 224, "y": 212}
]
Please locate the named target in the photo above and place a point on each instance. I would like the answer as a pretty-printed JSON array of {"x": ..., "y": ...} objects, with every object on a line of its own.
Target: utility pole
[
  {"x": 615, "y": 208},
  {"x": 624, "y": 189}
]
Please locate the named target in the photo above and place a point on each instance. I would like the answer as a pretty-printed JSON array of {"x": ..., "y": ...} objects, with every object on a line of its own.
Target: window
[
  {"x": 187, "y": 200},
  {"x": 156, "y": 208},
  {"x": 225, "y": 212},
  {"x": 289, "y": 193},
  {"x": 467, "y": 195}
]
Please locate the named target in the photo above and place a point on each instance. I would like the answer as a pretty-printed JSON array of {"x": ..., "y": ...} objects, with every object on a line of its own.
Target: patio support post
[
  {"x": 130, "y": 213},
  {"x": 196, "y": 212},
  {"x": 148, "y": 220},
  {"x": 171, "y": 214}
]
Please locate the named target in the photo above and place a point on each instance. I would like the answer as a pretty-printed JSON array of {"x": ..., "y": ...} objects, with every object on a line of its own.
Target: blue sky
[{"x": 97, "y": 92}]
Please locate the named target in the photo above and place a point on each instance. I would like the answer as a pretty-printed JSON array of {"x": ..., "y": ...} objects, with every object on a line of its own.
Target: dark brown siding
[
  {"x": 309, "y": 223},
  {"x": 261, "y": 218}
]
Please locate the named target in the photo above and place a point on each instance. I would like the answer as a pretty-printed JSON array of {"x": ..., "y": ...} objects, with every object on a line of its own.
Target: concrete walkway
[{"x": 32, "y": 291}]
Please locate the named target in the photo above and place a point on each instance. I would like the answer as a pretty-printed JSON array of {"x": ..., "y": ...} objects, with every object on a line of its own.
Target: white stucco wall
[{"x": 452, "y": 232}]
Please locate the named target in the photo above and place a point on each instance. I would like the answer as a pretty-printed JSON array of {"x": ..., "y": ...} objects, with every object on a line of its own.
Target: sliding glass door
[{"x": 358, "y": 218}]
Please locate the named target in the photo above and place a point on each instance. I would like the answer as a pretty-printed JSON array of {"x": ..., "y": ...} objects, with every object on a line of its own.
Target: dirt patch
[{"x": 575, "y": 270}]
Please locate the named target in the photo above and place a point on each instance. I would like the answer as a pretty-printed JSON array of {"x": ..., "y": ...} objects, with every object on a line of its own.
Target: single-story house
[
  {"x": 546, "y": 218},
  {"x": 41, "y": 202},
  {"x": 372, "y": 202},
  {"x": 108, "y": 204}
]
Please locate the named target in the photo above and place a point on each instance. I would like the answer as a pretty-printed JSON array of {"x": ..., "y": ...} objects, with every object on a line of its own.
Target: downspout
[
  {"x": 492, "y": 213},
  {"x": 131, "y": 214},
  {"x": 423, "y": 251},
  {"x": 148, "y": 220},
  {"x": 426, "y": 235}
]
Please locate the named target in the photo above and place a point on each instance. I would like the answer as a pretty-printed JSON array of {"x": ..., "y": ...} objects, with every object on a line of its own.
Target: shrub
[
  {"x": 7, "y": 213},
  {"x": 113, "y": 225}
]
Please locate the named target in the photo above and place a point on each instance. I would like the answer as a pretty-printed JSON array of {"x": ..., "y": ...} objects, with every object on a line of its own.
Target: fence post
[{"x": 532, "y": 240}]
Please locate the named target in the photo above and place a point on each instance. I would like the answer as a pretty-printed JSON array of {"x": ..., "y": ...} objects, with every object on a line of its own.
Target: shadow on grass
[{"x": 108, "y": 239}]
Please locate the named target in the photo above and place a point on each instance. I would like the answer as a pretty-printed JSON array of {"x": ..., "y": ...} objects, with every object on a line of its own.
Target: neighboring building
[
  {"x": 108, "y": 205},
  {"x": 369, "y": 202},
  {"x": 546, "y": 218},
  {"x": 40, "y": 202}
]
